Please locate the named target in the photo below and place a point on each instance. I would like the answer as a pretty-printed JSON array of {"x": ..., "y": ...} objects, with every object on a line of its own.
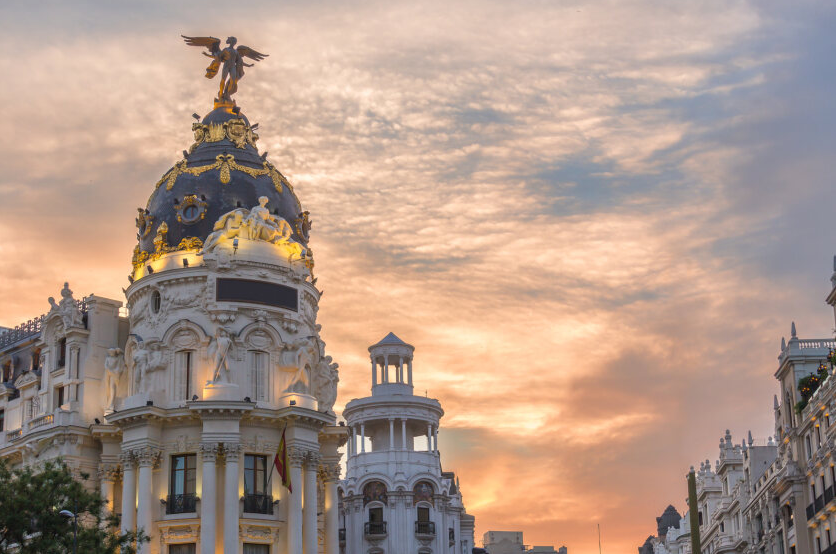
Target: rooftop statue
[{"x": 231, "y": 58}]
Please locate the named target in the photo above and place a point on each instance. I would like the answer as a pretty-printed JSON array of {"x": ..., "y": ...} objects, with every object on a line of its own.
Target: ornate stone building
[
  {"x": 778, "y": 497},
  {"x": 395, "y": 497},
  {"x": 176, "y": 402}
]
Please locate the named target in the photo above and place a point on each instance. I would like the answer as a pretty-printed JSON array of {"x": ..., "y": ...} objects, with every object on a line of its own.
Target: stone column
[
  {"x": 429, "y": 437},
  {"x": 400, "y": 369},
  {"x": 147, "y": 458},
  {"x": 107, "y": 480},
  {"x": 330, "y": 476},
  {"x": 386, "y": 369},
  {"x": 409, "y": 370},
  {"x": 362, "y": 437},
  {"x": 391, "y": 433},
  {"x": 208, "y": 497},
  {"x": 435, "y": 438},
  {"x": 309, "y": 525},
  {"x": 295, "y": 458},
  {"x": 403, "y": 435},
  {"x": 232, "y": 453},
  {"x": 374, "y": 373},
  {"x": 128, "y": 492}
]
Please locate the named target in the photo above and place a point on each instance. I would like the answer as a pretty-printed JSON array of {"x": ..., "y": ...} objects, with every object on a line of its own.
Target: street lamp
[{"x": 68, "y": 514}]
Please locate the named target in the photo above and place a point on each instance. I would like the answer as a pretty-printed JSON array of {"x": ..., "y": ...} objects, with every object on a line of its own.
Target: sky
[{"x": 594, "y": 220}]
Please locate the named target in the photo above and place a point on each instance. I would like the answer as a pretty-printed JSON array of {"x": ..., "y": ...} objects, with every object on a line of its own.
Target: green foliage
[
  {"x": 30, "y": 523},
  {"x": 808, "y": 385}
]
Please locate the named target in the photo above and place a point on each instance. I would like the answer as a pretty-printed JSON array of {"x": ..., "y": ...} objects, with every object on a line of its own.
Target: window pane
[
  {"x": 181, "y": 548},
  {"x": 423, "y": 514},
  {"x": 256, "y": 548}
]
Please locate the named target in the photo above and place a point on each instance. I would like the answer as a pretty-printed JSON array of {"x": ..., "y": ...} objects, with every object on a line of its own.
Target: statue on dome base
[
  {"x": 230, "y": 61},
  {"x": 114, "y": 369},
  {"x": 219, "y": 348}
]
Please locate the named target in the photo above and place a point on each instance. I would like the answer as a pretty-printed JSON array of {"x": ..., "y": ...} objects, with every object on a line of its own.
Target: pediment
[{"x": 26, "y": 379}]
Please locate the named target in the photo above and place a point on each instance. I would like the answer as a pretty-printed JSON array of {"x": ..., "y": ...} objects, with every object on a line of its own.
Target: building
[
  {"x": 511, "y": 542},
  {"x": 395, "y": 497},
  {"x": 778, "y": 497},
  {"x": 177, "y": 401}
]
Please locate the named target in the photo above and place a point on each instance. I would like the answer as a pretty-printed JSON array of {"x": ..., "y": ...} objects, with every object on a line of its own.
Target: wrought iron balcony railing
[
  {"x": 181, "y": 503},
  {"x": 258, "y": 503},
  {"x": 375, "y": 528},
  {"x": 425, "y": 528}
]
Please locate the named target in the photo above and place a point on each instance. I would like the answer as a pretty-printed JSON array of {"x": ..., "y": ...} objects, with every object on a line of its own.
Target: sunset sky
[{"x": 595, "y": 220}]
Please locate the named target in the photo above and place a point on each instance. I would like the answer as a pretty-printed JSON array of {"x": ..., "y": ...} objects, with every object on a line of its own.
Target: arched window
[
  {"x": 183, "y": 374},
  {"x": 258, "y": 362},
  {"x": 62, "y": 353},
  {"x": 156, "y": 301}
]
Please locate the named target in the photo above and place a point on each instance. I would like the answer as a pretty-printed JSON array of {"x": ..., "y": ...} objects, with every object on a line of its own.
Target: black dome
[{"x": 222, "y": 171}]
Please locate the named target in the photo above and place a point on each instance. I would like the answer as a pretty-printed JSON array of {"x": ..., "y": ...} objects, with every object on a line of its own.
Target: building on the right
[
  {"x": 511, "y": 542},
  {"x": 778, "y": 497}
]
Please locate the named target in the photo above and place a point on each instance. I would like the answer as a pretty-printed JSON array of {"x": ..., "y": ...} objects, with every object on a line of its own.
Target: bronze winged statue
[{"x": 230, "y": 60}]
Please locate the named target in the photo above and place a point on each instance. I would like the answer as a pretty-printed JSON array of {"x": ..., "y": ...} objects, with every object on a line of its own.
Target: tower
[{"x": 396, "y": 497}]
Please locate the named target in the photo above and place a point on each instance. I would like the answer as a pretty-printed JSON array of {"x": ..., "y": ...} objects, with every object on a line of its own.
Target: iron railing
[
  {"x": 32, "y": 327},
  {"x": 375, "y": 528},
  {"x": 181, "y": 503},
  {"x": 258, "y": 503},
  {"x": 425, "y": 528}
]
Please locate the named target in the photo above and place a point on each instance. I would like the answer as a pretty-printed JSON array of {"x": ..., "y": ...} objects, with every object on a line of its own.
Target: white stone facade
[
  {"x": 778, "y": 498},
  {"x": 395, "y": 497}
]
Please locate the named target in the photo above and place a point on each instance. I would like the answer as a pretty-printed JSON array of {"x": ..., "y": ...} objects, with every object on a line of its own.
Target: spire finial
[
  {"x": 749, "y": 438},
  {"x": 775, "y": 401},
  {"x": 792, "y": 330},
  {"x": 783, "y": 344}
]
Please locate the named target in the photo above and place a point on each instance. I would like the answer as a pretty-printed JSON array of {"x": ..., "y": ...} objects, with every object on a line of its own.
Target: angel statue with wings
[{"x": 231, "y": 58}]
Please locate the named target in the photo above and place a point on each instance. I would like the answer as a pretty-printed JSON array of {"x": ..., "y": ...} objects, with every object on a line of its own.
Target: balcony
[
  {"x": 425, "y": 529},
  {"x": 258, "y": 504},
  {"x": 375, "y": 530},
  {"x": 12, "y": 435},
  {"x": 41, "y": 421},
  {"x": 181, "y": 503}
]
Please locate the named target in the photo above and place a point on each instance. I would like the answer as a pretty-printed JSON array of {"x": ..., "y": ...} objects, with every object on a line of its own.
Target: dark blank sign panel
[{"x": 257, "y": 292}]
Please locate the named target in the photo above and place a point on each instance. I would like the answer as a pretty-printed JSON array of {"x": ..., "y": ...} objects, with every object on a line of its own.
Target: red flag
[{"x": 280, "y": 461}]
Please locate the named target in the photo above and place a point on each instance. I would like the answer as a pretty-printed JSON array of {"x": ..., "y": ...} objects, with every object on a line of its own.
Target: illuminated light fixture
[
  {"x": 292, "y": 402},
  {"x": 235, "y": 246},
  {"x": 185, "y": 262}
]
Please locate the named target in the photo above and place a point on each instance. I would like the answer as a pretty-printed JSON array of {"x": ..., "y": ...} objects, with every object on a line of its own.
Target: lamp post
[{"x": 69, "y": 514}]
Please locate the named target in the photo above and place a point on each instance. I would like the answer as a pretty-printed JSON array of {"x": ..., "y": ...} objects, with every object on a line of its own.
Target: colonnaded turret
[{"x": 396, "y": 497}]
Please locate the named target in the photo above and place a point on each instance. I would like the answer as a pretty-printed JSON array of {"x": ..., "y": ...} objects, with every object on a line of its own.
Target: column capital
[
  {"x": 312, "y": 460},
  {"x": 330, "y": 472},
  {"x": 232, "y": 451},
  {"x": 209, "y": 451},
  {"x": 296, "y": 456},
  {"x": 127, "y": 460},
  {"x": 147, "y": 456},
  {"x": 108, "y": 472}
]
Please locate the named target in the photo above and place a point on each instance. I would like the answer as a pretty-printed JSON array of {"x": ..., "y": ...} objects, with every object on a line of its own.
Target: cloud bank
[{"x": 593, "y": 219}]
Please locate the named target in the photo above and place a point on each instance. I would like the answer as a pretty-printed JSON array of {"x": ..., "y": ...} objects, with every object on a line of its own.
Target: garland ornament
[{"x": 225, "y": 163}]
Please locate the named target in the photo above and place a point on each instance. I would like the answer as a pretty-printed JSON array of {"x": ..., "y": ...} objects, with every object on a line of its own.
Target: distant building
[
  {"x": 776, "y": 497},
  {"x": 511, "y": 542}
]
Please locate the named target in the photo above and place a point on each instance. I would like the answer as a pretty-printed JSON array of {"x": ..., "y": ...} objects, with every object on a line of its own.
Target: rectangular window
[
  {"x": 182, "y": 498},
  {"x": 7, "y": 372},
  {"x": 62, "y": 353},
  {"x": 258, "y": 375},
  {"x": 2, "y": 419},
  {"x": 250, "y": 548},
  {"x": 183, "y": 375},
  {"x": 376, "y": 515},
  {"x": 59, "y": 397},
  {"x": 183, "y": 473},
  {"x": 818, "y": 545},
  {"x": 423, "y": 514},
  {"x": 189, "y": 548},
  {"x": 255, "y": 474}
]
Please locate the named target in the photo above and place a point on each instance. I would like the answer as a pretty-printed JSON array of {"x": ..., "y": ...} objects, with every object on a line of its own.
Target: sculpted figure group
[
  {"x": 67, "y": 309},
  {"x": 255, "y": 224}
]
